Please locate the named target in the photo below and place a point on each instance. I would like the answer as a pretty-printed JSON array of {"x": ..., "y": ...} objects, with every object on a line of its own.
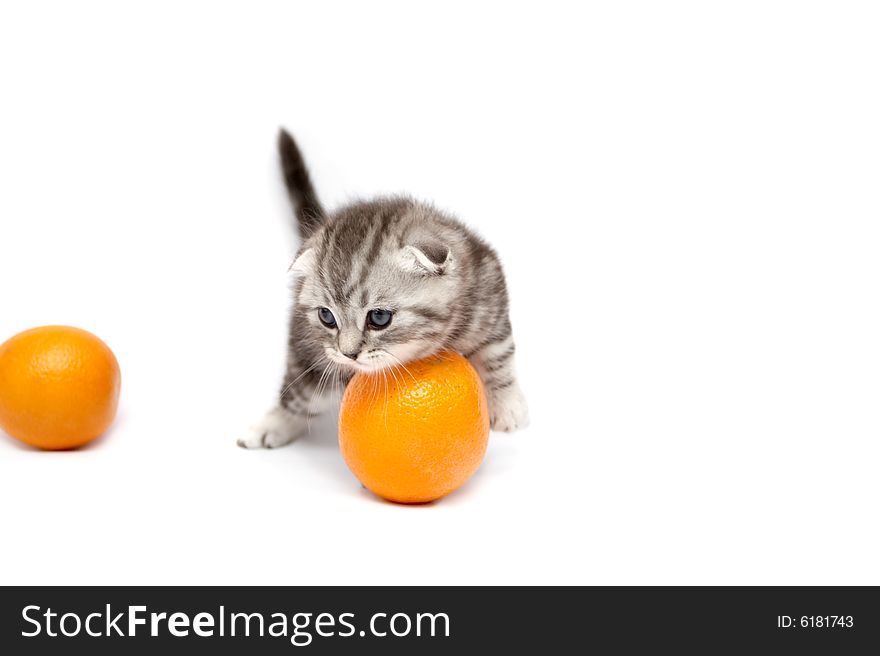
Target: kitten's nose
[{"x": 352, "y": 356}]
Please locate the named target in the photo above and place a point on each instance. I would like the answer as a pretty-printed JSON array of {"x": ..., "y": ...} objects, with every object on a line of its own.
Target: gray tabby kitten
[{"x": 380, "y": 283}]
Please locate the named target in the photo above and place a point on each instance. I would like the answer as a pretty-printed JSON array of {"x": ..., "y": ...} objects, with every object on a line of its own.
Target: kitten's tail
[{"x": 309, "y": 213}]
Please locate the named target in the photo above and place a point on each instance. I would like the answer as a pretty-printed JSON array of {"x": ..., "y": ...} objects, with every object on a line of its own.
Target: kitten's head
[{"x": 377, "y": 285}]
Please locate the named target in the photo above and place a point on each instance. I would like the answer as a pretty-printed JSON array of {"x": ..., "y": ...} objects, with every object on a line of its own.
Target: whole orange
[
  {"x": 415, "y": 434},
  {"x": 59, "y": 387}
]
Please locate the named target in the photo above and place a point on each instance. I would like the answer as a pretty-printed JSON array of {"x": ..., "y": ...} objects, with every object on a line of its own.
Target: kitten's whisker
[
  {"x": 317, "y": 393},
  {"x": 295, "y": 380},
  {"x": 391, "y": 369},
  {"x": 336, "y": 383},
  {"x": 385, "y": 378},
  {"x": 375, "y": 390},
  {"x": 400, "y": 362}
]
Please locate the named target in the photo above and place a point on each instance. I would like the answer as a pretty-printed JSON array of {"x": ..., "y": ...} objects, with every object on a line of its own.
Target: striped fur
[{"x": 443, "y": 284}]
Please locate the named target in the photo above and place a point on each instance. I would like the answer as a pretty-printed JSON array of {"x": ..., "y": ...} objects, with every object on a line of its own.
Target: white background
[{"x": 685, "y": 196}]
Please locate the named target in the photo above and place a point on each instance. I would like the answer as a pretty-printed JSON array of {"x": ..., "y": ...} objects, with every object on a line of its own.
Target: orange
[
  {"x": 59, "y": 387},
  {"x": 414, "y": 435}
]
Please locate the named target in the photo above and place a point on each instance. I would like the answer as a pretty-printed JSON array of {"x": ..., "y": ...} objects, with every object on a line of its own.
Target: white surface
[{"x": 686, "y": 201}]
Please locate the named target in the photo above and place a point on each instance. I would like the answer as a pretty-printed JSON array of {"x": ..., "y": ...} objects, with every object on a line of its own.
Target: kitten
[{"x": 378, "y": 284}]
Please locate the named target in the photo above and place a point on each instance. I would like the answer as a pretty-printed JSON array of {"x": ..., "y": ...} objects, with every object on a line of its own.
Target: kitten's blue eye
[
  {"x": 378, "y": 319},
  {"x": 326, "y": 317}
]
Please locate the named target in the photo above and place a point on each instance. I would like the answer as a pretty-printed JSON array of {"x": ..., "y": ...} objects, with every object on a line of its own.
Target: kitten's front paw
[
  {"x": 277, "y": 428},
  {"x": 508, "y": 410}
]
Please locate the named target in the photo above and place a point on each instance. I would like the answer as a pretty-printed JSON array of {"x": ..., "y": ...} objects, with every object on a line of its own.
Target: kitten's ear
[
  {"x": 303, "y": 264},
  {"x": 430, "y": 258}
]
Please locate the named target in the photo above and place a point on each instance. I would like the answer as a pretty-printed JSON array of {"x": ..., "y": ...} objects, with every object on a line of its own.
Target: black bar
[{"x": 836, "y": 620}]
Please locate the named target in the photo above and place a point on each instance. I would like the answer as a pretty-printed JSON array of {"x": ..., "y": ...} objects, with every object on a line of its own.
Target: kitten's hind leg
[
  {"x": 303, "y": 396},
  {"x": 508, "y": 410}
]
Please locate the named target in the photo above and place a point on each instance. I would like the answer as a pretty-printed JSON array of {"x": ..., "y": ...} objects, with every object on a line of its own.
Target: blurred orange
[{"x": 59, "y": 387}]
